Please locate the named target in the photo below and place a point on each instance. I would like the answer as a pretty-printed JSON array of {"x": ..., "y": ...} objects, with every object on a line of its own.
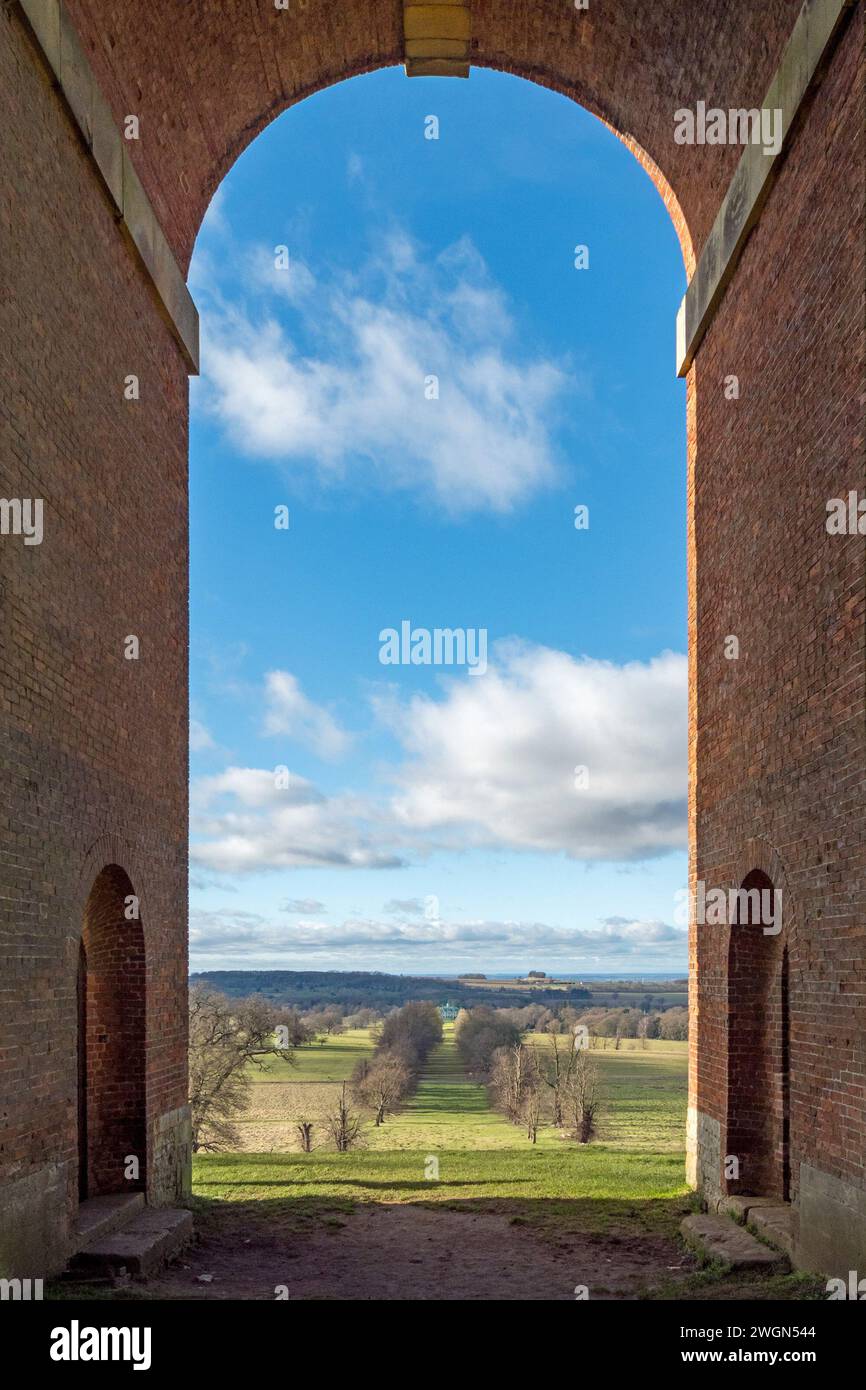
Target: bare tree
[
  {"x": 513, "y": 1076},
  {"x": 305, "y": 1135},
  {"x": 580, "y": 1097},
  {"x": 342, "y": 1124},
  {"x": 532, "y": 1113},
  {"x": 381, "y": 1083},
  {"x": 226, "y": 1038},
  {"x": 559, "y": 1062}
]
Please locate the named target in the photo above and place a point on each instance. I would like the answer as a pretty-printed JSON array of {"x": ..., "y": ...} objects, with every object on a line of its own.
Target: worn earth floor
[
  {"x": 398, "y": 1251},
  {"x": 329, "y": 1247}
]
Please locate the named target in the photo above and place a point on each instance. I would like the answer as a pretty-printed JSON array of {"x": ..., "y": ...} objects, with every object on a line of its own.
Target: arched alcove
[
  {"x": 758, "y": 1104},
  {"x": 112, "y": 1126}
]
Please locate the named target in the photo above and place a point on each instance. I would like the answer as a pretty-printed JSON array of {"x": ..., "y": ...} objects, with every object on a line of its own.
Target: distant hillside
[{"x": 310, "y": 989}]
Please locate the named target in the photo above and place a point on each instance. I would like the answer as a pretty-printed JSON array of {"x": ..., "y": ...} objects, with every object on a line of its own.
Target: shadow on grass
[
  {"x": 386, "y": 1185},
  {"x": 557, "y": 1218}
]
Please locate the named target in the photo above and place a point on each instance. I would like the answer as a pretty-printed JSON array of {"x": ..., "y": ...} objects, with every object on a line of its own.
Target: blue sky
[{"x": 352, "y": 814}]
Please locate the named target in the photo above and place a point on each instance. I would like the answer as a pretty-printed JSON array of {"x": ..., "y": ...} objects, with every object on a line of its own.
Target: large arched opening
[{"x": 771, "y": 748}]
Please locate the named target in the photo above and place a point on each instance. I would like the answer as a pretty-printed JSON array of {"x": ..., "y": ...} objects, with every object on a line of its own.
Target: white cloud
[
  {"x": 354, "y": 405},
  {"x": 404, "y": 906},
  {"x": 255, "y": 786},
  {"x": 294, "y": 284},
  {"x": 303, "y": 907},
  {"x": 492, "y": 763},
  {"x": 267, "y": 825},
  {"x": 289, "y": 712},
  {"x": 489, "y": 764},
  {"x": 361, "y": 941}
]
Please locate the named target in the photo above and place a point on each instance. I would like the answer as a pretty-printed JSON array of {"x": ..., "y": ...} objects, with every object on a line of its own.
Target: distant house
[{"x": 448, "y": 1012}]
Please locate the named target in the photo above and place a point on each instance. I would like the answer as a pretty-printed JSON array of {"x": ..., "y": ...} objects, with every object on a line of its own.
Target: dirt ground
[{"x": 394, "y": 1252}]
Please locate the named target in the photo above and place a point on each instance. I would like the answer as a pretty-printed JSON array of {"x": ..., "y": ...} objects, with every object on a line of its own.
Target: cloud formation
[
  {"x": 289, "y": 712},
  {"x": 358, "y": 399},
  {"x": 493, "y": 762},
  {"x": 247, "y": 819},
  {"x": 362, "y": 942}
]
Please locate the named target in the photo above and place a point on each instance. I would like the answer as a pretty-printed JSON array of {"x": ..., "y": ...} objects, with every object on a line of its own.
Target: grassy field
[
  {"x": 592, "y": 1189},
  {"x": 612, "y": 1206},
  {"x": 331, "y": 1062},
  {"x": 643, "y": 1095},
  {"x": 631, "y": 1178}
]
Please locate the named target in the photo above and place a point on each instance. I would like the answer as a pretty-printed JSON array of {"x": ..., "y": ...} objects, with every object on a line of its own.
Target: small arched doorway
[
  {"x": 758, "y": 1080},
  {"x": 112, "y": 1130}
]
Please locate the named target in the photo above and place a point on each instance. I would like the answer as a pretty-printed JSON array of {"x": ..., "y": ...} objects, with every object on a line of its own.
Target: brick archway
[
  {"x": 776, "y": 738},
  {"x": 112, "y": 1042}
]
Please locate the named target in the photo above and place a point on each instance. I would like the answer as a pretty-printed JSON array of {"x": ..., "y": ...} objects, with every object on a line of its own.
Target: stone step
[
  {"x": 775, "y": 1224},
  {"x": 739, "y": 1205},
  {"x": 100, "y": 1216},
  {"x": 141, "y": 1248},
  {"x": 769, "y": 1218},
  {"x": 718, "y": 1238}
]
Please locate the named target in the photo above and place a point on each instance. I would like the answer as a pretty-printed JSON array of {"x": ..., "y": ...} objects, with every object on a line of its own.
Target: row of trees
[
  {"x": 379, "y": 1084},
  {"x": 319, "y": 1024},
  {"x": 556, "y": 1084},
  {"x": 382, "y": 1082},
  {"x": 602, "y": 1022}
]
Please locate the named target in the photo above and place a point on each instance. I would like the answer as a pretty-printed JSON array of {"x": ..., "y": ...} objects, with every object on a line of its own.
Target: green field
[
  {"x": 643, "y": 1094},
  {"x": 632, "y": 1178},
  {"x": 611, "y": 1207},
  {"x": 332, "y": 1061}
]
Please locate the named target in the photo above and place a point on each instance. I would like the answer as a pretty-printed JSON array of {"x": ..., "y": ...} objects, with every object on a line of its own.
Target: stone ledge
[
  {"x": 140, "y": 1249},
  {"x": 774, "y": 1224},
  {"x": 816, "y": 26},
  {"x": 56, "y": 37},
  {"x": 738, "y": 1206}
]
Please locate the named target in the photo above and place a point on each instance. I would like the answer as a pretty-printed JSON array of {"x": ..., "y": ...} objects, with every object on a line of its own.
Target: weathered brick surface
[
  {"x": 112, "y": 1040},
  {"x": 779, "y": 736},
  {"x": 93, "y": 760},
  {"x": 207, "y": 78},
  {"x": 93, "y": 757}
]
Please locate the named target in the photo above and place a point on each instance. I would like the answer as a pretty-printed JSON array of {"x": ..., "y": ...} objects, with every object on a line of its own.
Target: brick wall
[
  {"x": 112, "y": 1039},
  {"x": 781, "y": 732},
  {"x": 93, "y": 760}
]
